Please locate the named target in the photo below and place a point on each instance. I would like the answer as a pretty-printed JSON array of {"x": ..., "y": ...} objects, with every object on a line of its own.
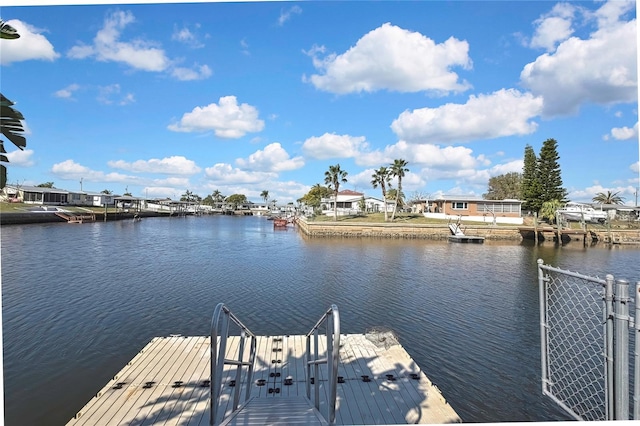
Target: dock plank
[{"x": 165, "y": 360}]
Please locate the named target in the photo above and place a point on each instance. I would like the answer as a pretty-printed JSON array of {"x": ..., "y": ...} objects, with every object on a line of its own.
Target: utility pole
[{"x": 81, "y": 184}]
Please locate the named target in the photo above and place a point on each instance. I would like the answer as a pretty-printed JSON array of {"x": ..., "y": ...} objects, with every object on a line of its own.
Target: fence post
[
  {"x": 636, "y": 369},
  {"x": 622, "y": 351},
  {"x": 608, "y": 347},
  {"x": 543, "y": 326}
]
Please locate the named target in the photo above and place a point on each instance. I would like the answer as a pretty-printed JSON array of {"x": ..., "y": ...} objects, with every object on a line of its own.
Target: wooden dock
[{"x": 167, "y": 383}]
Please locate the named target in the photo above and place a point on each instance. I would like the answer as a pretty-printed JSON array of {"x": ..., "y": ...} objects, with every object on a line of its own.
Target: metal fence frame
[{"x": 610, "y": 386}]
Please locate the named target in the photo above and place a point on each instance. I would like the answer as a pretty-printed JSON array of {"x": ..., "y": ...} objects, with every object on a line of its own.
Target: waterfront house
[
  {"x": 349, "y": 203},
  {"x": 34, "y": 195},
  {"x": 92, "y": 199},
  {"x": 471, "y": 209}
]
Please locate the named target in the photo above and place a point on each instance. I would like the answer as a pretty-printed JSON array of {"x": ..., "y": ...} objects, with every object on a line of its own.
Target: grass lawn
[{"x": 23, "y": 208}]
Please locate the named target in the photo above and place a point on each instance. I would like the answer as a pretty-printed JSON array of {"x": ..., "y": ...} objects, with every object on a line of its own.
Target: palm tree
[
  {"x": 398, "y": 168},
  {"x": 10, "y": 119},
  {"x": 608, "y": 198},
  {"x": 382, "y": 178},
  {"x": 333, "y": 177},
  {"x": 264, "y": 195},
  {"x": 548, "y": 210}
]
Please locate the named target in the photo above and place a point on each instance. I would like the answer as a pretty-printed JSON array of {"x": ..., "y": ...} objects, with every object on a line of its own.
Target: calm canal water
[{"x": 79, "y": 301}]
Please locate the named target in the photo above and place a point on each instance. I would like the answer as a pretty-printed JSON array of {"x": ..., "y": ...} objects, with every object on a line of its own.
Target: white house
[
  {"x": 34, "y": 195},
  {"x": 350, "y": 202},
  {"x": 94, "y": 199}
]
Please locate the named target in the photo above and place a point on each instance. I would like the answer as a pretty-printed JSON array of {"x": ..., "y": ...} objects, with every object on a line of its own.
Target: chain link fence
[{"x": 585, "y": 324}]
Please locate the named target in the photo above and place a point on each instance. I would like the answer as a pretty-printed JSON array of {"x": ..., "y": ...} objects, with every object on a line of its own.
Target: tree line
[
  {"x": 382, "y": 177},
  {"x": 539, "y": 185}
]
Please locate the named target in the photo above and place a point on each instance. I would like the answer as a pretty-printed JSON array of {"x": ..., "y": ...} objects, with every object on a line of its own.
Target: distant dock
[{"x": 167, "y": 382}]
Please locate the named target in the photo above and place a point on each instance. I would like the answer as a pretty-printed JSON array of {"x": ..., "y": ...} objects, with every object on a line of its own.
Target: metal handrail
[
  {"x": 332, "y": 319},
  {"x": 220, "y": 320}
]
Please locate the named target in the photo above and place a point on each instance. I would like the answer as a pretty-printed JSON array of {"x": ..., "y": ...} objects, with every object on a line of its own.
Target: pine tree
[
  {"x": 530, "y": 188},
  {"x": 548, "y": 173}
]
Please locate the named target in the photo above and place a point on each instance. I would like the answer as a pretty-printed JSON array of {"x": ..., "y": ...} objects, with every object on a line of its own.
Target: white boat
[{"x": 579, "y": 212}]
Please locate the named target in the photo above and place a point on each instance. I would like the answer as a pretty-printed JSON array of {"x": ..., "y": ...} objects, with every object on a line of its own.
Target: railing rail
[
  {"x": 222, "y": 318},
  {"x": 331, "y": 319}
]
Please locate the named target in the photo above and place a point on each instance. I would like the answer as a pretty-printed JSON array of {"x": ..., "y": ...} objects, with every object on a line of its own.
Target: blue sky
[{"x": 156, "y": 99}]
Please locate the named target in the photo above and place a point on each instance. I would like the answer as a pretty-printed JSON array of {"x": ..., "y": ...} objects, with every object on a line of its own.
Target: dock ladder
[
  {"x": 455, "y": 228},
  {"x": 283, "y": 410}
]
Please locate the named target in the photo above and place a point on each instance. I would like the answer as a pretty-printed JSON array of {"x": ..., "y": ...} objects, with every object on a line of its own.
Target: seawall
[{"x": 400, "y": 230}]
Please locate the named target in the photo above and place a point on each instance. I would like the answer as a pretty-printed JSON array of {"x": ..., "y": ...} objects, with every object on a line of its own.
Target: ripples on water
[{"x": 79, "y": 301}]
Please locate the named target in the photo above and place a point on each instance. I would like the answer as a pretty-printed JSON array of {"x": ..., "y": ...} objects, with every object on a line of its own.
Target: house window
[{"x": 459, "y": 205}]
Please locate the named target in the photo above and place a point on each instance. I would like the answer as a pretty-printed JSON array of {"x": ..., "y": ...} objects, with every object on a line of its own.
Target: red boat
[{"x": 280, "y": 222}]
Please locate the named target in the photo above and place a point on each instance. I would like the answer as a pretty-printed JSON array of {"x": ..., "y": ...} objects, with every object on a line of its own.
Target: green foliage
[
  {"x": 106, "y": 191},
  {"x": 362, "y": 205},
  {"x": 208, "y": 201},
  {"x": 530, "y": 187},
  {"x": 315, "y": 194},
  {"x": 264, "y": 195},
  {"x": 190, "y": 197},
  {"x": 541, "y": 177},
  {"x": 11, "y": 119},
  {"x": 508, "y": 185},
  {"x": 236, "y": 199},
  {"x": 333, "y": 178},
  {"x": 398, "y": 169},
  {"x": 548, "y": 210},
  {"x": 608, "y": 198},
  {"x": 392, "y": 193},
  {"x": 45, "y": 185},
  {"x": 382, "y": 178},
  {"x": 548, "y": 173}
]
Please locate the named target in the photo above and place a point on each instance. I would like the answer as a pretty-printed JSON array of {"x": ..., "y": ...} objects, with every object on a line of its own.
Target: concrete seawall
[{"x": 400, "y": 230}]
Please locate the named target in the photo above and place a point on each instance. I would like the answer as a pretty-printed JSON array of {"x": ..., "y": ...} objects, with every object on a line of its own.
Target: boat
[
  {"x": 280, "y": 222},
  {"x": 582, "y": 212}
]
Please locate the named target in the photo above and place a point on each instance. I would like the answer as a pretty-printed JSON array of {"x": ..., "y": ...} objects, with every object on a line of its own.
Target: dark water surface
[{"x": 79, "y": 301}]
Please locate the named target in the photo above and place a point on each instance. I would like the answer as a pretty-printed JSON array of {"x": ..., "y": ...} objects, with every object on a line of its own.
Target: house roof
[
  {"x": 350, "y": 192},
  {"x": 472, "y": 198},
  {"x": 40, "y": 189}
]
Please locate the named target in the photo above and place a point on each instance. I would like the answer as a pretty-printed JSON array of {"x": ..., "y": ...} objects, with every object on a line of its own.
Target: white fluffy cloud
[
  {"x": 423, "y": 155},
  {"x": 506, "y": 112},
  {"x": 67, "y": 92},
  {"x": 331, "y": 145},
  {"x": 138, "y": 54},
  {"x": 273, "y": 158},
  {"x": 394, "y": 59},
  {"x": 71, "y": 170},
  {"x": 286, "y": 15},
  {"x": 21, "y": 158},
  {"x": 198, "y": 72},
  {"x": 227, "y": 119},
  {"x": 624, "y": 133},
  {"x": 175, "y": 165},
  {"x": 553, "y": 27},
  {"x": 187, "y": 37},
  {"x": 225, "y": 173},
  {"x": 31, "y": 45},
  {"x": 601, "y": 69}
]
